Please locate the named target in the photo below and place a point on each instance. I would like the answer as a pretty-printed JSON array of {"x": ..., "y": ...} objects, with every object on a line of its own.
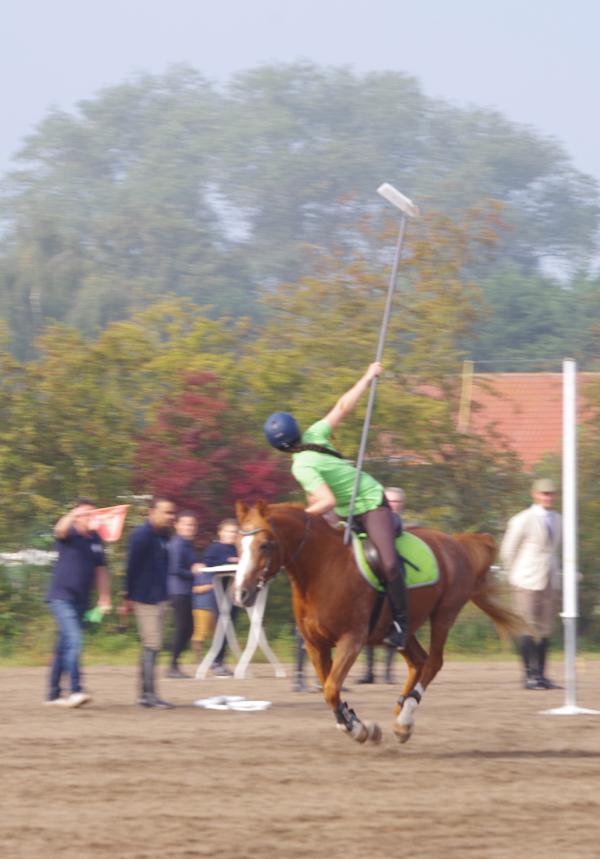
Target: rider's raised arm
[{"x": 347, "y": 401}]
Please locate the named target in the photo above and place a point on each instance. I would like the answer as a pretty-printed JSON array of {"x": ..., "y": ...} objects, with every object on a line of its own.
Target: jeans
[{"x": 67, "y": 650}]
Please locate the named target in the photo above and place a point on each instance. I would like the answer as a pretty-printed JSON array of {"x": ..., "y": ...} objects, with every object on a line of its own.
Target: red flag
[{"x": 109, "y": 521}]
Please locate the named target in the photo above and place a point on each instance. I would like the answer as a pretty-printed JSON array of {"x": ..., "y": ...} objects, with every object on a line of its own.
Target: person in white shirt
[{"x": 530, "y": 554}]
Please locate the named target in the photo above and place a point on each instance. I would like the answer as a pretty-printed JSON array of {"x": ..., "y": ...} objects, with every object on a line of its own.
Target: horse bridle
[{"x": 271, "y": 545}]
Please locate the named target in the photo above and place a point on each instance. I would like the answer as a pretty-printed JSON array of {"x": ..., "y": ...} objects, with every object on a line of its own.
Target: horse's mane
[{"x": 295, "y": 508}]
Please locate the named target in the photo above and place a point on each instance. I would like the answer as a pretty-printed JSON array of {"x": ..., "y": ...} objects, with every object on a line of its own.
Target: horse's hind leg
[
  {"x": 403, "y": 726},
  {"x": 414, "y": 656},
  {"x": 347, "y": 649}
]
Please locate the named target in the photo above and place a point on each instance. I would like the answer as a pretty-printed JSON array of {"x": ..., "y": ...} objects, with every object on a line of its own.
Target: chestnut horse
[{"x": 333, "y": 604}]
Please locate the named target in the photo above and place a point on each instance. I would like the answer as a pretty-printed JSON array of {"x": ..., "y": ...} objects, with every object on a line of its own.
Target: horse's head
[{"x": 259, "y": 558}]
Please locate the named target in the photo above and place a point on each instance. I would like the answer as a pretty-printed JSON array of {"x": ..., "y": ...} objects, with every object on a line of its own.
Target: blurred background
[{"x": 191, "y": 239}]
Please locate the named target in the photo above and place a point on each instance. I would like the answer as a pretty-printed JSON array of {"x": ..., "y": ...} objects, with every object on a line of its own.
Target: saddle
[{"x": 370, "y": 551}]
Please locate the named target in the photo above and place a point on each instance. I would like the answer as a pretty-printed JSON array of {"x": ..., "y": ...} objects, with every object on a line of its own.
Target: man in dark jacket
[{"x": 146, "y": 590}]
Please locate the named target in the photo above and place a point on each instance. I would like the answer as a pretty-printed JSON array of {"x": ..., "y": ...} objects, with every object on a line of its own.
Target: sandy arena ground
[{"x": 484, "y": 775}]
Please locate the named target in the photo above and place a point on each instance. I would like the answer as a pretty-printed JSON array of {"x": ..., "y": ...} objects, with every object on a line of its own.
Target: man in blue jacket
[{"x": 146, "y": 590}]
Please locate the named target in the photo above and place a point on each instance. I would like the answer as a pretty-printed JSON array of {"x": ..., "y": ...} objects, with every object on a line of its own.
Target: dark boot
[
  {"x": 149, "y": 698},
  {"x": 541, "y": 652},
  {"x": 396, "y": 594},
  {"x": 369, "y": 675},
  {"x": 527, "y": 651},
  {"x": 389, "y": 658}
]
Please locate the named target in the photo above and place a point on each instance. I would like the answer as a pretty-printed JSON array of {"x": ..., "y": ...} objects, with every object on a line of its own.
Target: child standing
[{"x": 204, "y": 605}]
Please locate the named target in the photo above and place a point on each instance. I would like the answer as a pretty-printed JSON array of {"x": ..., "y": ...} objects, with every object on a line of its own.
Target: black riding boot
[
  {"x": 396, "y": 593},
  {"x": 541, "y": 651},
  {"x": 528, "y": 652},
  {"x": 149, "y": 698},
  {"x": 369, "y": 675}
]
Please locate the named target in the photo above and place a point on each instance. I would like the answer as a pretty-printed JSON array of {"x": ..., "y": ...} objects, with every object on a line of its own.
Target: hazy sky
[{"x": 537, "y": 61}]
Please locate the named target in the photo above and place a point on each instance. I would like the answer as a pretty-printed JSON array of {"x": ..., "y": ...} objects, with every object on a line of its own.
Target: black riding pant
[{"x": 379, "y": 525}]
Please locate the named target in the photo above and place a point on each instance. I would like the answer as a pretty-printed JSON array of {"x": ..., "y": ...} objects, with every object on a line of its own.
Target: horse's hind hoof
[
  {"x": 403, "y": 732},
  {"x": 373, "y": 732},
  {"x": 359, "y": 732}
]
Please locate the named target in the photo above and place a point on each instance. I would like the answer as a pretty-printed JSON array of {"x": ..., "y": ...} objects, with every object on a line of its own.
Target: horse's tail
[{"x": 489, "y": 594}]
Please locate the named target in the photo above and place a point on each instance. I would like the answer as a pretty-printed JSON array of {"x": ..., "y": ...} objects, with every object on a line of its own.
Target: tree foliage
[
  {"x": 196, "y": 453},
  {"x": 169, "y": 185}
]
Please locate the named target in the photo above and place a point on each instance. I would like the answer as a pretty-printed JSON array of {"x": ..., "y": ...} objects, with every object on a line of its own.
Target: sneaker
[
  {"x": 55, "y": 702},
  {"x": 365, "y": 679},
  {"x": 149, "y": 699},
  {"x": 176, "y": 674},
  {"x": 221, "y": 671},
  {"x": 396, "y": 637},
  {"x": 77, "y": 699},
  {"x": 533, "y": 683}
]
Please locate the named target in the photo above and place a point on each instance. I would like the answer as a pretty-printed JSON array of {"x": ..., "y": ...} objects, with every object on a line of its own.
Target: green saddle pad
[{"x": 420, "y": 564}]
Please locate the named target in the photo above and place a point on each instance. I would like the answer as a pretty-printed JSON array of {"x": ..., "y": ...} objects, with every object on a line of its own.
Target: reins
[{"x": 276, "y": 543}]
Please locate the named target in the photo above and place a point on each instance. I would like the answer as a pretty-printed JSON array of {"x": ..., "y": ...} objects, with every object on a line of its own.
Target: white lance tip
[{"x": 396, "y": 198}]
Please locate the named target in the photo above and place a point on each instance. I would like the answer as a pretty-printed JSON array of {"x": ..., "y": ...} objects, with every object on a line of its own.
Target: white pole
[{"x": 569, "y": 539}]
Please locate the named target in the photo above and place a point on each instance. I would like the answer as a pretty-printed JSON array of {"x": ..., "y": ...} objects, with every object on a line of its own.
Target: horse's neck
[{"x": 303, "y": 542}]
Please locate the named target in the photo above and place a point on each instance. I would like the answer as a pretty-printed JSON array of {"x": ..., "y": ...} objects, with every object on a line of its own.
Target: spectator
[
  {"x": 182, "y": 557},
  {"x": 204, "y": 609},
  {"x": 146, "y": 590},
  {"x": 529, "y": 553},
  {"x": 396, "y": 498},
  {"x": 80, "y": 566},
  {"x": 222, "y": 551}
]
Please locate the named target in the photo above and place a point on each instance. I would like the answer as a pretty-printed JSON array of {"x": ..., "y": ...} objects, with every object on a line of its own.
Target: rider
[{"x": 328, "y": 480}]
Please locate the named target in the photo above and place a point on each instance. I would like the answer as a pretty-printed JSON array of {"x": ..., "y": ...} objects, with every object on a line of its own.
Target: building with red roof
[{"x": 525, "y": 409}]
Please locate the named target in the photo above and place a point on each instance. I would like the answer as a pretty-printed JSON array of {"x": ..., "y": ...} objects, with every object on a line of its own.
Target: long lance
[{"x": 407, "y": 209}]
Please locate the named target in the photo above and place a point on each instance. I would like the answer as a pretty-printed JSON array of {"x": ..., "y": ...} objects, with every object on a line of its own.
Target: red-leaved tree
[{"x": 197, "y": 454}]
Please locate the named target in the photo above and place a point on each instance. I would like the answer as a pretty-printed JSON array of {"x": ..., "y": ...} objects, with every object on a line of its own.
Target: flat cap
[{"x": 544, "y": 485}]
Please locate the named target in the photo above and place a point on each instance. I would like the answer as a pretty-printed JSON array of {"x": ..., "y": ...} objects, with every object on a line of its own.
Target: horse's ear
[
  {"x": 263, "y": 508},
  {"x": 240, "y": 510}
]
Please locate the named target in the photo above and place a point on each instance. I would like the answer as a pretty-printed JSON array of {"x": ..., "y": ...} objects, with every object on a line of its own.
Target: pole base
[{"x": 570, "y": 710}]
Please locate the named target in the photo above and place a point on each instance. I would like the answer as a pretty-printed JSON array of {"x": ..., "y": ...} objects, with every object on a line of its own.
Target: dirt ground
[{"x": 484, "y": 775}]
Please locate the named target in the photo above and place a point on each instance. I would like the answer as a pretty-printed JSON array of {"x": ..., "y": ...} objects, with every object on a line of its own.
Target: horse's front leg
[
  {"x": 347, "y": 649},
  {"x": 320, "y": 656}
]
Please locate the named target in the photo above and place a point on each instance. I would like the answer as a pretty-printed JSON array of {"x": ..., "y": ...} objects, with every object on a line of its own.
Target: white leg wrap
[
  {"x": 406, "y": 713},
  {"x": 408, "y": 708}
]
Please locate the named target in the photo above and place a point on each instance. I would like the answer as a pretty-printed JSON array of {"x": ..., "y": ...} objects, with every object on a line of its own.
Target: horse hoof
[
  {"x": 403, "y": 732},
  {"x": 360, "y": 732},
  {"x": 373, "y": 732}
]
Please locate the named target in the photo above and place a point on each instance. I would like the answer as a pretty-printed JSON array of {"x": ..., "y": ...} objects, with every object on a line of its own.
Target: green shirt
[{"x": 312, "y": 469}]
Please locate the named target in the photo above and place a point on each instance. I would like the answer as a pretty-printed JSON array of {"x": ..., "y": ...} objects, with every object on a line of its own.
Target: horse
[{"x": 335, "y": 607}]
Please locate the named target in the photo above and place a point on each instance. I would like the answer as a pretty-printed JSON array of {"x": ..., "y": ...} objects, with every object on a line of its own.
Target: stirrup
[{"x": 396, "y": 637}]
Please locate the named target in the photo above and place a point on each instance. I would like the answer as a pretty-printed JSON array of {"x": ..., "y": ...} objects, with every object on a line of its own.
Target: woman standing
[{"x": 182, "y": 557}]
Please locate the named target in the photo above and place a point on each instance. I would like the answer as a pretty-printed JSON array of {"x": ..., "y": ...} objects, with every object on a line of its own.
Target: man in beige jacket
[{"x": 529, "y": 552}]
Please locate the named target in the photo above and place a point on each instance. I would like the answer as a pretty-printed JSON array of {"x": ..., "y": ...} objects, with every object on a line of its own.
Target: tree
[
  {"x": 196, "y": 453},
  {"x": 167, "y": 185}
]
